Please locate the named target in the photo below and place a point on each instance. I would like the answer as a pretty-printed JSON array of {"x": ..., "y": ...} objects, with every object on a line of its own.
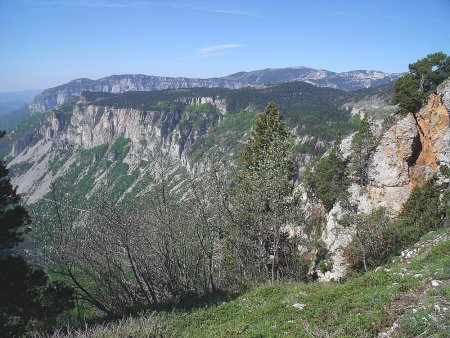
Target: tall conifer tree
[
  {"x": 262, "y": 197},
  {"x": 28, "y": 301}
]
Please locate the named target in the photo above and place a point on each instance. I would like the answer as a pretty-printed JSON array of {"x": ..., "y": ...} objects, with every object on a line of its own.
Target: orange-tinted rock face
[
  {"x": 408, "y": 154},
  {"x": 433, "y": 123}
]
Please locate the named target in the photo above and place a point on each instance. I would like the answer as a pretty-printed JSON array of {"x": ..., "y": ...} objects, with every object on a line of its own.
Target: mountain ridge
[
  {"x": 348, "y": 81},
  {"x": 188, "y": 121}
]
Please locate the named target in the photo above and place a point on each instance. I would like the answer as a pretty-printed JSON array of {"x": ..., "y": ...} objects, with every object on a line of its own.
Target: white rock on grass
[{"x": 299, "y": 306}]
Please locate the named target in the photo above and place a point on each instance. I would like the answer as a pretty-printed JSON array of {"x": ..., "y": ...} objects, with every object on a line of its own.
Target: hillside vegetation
[
  {"x": 318, "y": 110},
  {"x": 408, "y": 297},
  {"x": 189, "y": 211},
  {"x": 314, "y": 115}
]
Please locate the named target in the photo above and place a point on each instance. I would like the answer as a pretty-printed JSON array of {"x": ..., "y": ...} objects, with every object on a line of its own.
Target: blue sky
[{"x": 44, "y": 43}]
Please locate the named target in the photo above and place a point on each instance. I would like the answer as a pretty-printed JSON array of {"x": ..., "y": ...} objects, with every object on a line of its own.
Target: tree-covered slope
[
  {"x": 73, "y": 143},
  {"x": 352, "y": 80}
]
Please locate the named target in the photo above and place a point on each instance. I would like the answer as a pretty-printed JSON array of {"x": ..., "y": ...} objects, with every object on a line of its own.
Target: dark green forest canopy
[
  {"x": 315, "y": 111},
  {"x": 319, "y": 110}
]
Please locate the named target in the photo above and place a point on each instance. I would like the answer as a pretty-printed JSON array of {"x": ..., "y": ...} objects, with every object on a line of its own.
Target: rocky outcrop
[
  {"x": 408, "y": 153},
  {"x": 336, "y": 238},
  {"x": 22, "y": 142},
  {"x": 219, "y": 103},
  {"x": 444, "y": 93},
  {"x": 443, "y": 90},
  {"x": 434, "y": 133},
  {"x": 92, "y": 125}
]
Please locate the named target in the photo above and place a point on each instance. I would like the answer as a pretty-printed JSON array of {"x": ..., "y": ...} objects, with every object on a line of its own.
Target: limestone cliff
[
  {"x": 54, "y": 97},
  {"x": 408, "y": 153},
  {"x": 190, "y": 124},
  {"x": 56, "y": 146},
  {"x": 434, "y": 134}
]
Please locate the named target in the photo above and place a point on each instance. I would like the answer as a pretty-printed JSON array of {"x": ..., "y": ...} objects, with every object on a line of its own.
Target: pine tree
[
  {"x": 268, "y": 134},
  {"x": 261, "y": 198},
  {"x": 328, "y": 179},
  {"x": 431, "y": 70},
  {"x": 424, "y": 75},
  {"x": 14, "y": 219},
  {"x": 363, "y": 143},
  {"x": 408, "y": 94},
  {"x": 28, "y": 301}
]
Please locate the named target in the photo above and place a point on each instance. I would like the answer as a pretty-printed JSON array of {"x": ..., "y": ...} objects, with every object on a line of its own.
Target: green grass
[
  {"x": 228, "y": 133},
  {"x": 435, "y": 264},
  {"x": 350, "y": 309},
  {"x": 429, "y": 317},
  {"x": 201, "y": 108},
  {"x": 359, "y": 307},
  {"x": 355, "y": 308}
]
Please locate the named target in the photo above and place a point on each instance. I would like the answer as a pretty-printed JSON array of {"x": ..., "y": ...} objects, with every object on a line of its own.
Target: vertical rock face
[
  {"x": 395, "y": 154},
  {"x": 408, "y": 154},
  {"x": 444, "y": 93},
  {"x": 22, "y": 143},
  {"x": 433, "y": 128},
  {"x": 220, "y": 104},
  {"x": 89, "y": 126},
  {"x": 54, "y": 97},
  {"x": 336, "y": 238}
]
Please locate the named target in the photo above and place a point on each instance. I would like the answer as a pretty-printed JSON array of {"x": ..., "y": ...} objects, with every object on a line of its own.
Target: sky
[{"x": 45, "y": 43}]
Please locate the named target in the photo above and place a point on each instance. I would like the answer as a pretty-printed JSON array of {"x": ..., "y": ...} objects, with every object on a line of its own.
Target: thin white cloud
[
  {"x": 189, "y": 5},
  {"x": 216, "y": 50}
]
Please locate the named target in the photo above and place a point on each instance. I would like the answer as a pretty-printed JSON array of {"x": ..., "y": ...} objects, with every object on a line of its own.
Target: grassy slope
[
  {"x": 399, "y": 299},
  {"x": 10, "y": 120}
]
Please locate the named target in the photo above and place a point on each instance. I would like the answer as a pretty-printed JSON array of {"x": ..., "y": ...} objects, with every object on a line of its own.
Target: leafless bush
[{"x": 161, "y": 249}]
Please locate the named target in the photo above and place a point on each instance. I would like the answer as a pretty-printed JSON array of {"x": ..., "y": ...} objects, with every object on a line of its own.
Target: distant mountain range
[
  {"x": 348, "y": 81},
  {"x": 10, "y": 101}
]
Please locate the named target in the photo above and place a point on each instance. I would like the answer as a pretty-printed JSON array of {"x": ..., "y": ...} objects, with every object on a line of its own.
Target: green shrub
[
  {"x": 201, "y": 108},
  {"x": 422, "y": 212},
  {"x": 367, "y": 248},
  {"x": 424, "y": 75},
  {"x": 376, "y": 239},
  {"x": 408, "y": 94},
  {"x": 325, "y": 266},
  {"x": 328, "y": 180}
]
